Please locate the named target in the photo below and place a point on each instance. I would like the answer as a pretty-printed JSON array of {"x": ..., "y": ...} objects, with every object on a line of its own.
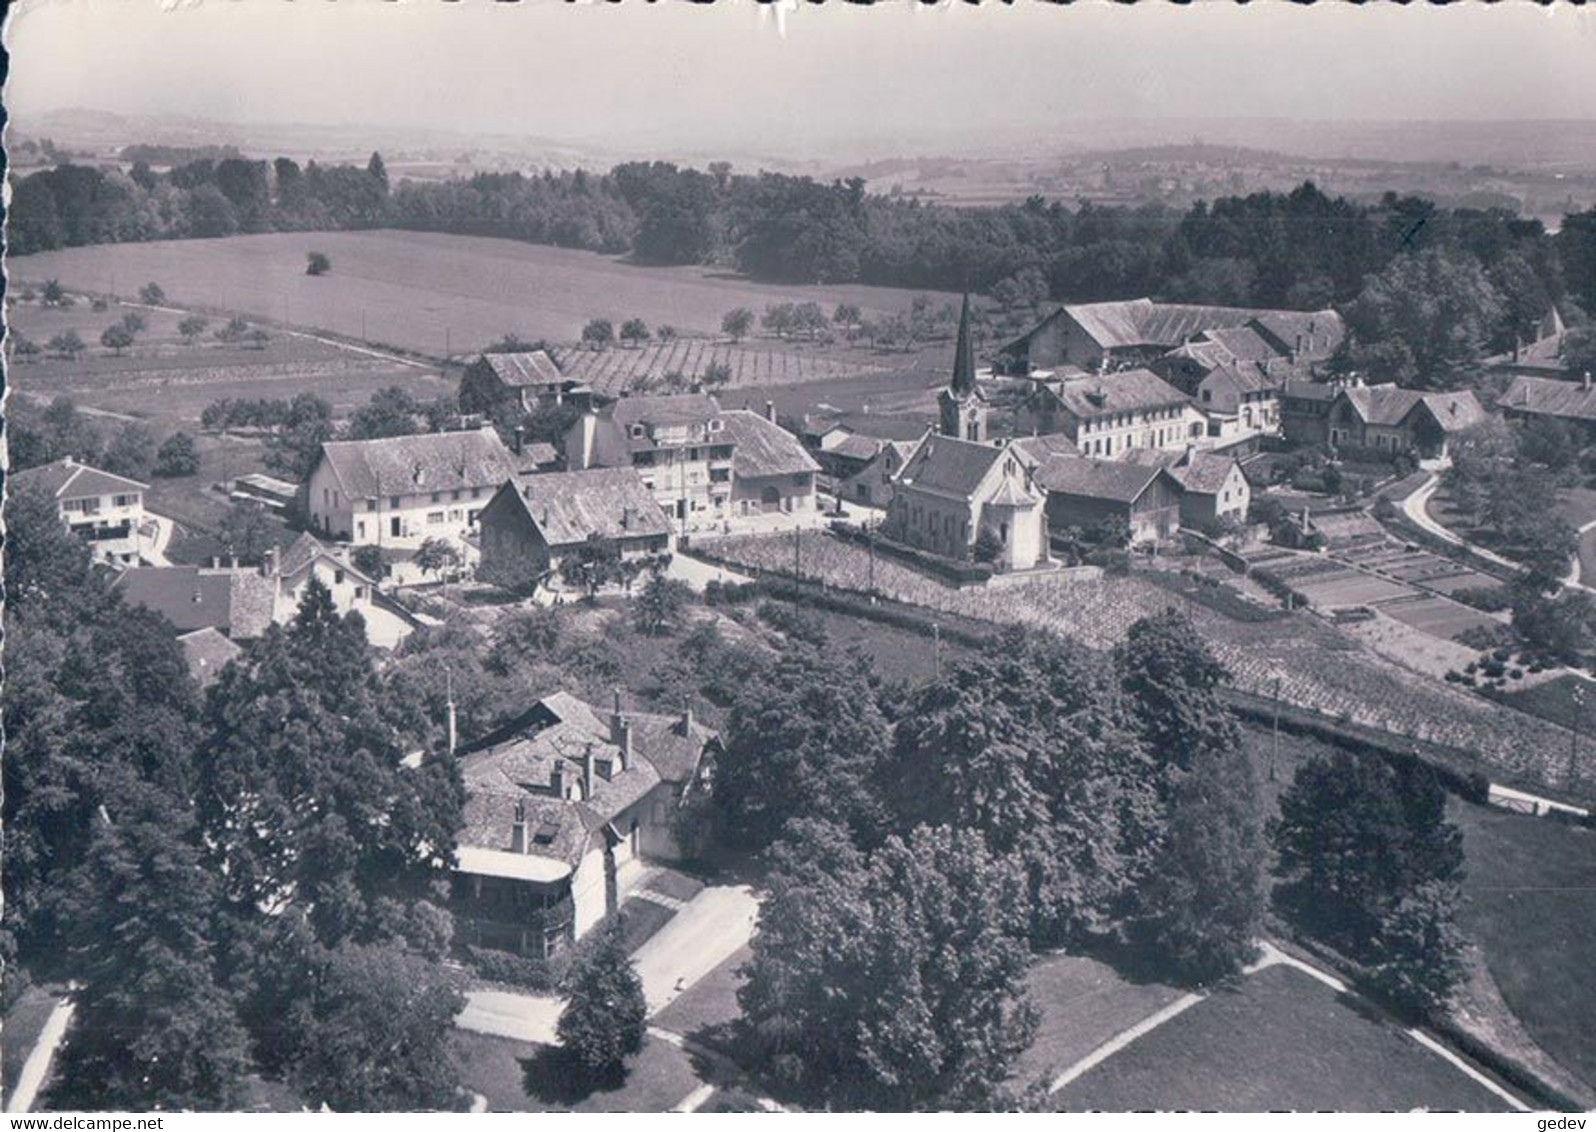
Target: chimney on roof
[
  {"x": 687, "y": 718},
  {"x": 1585, "y": 381},
  {"x": 518, "y": 828},
  {"x": 268, "y": 562},
  {"x": 232, "y": 562},
  {"x": 557, "y": 780},
  {"x": 587, "y": 772},
  {"x": 518, "y": 439},
  {"x": 623, "y": 743},
  {"x": 770, "y": 410},
  {"x": 418, "y": 474}
]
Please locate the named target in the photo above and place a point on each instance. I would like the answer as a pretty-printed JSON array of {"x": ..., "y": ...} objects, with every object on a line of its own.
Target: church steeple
[
  {"x": 961, "y": 406},
  {"x": 963, "y": 382}
]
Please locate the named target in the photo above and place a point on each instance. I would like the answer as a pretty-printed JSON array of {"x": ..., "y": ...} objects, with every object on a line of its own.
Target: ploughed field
[
  {"x": 1312, "y": 664},
  {"x": 429, "y": 292},
  {"x": 621, "y": 370}
]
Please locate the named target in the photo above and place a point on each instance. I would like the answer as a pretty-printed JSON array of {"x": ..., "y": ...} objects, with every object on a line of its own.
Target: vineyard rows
[
  {"x": 1311, "y": 664},
  {"x": 614, "y": 371}
]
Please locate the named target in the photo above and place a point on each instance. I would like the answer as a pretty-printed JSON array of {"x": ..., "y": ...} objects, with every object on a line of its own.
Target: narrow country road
[{"x": 37, "y": 1067}]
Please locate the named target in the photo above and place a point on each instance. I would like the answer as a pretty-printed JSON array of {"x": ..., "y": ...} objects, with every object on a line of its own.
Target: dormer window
[
  {"x": 638, "y": 432},
  {"x": 714, "y": 424}
]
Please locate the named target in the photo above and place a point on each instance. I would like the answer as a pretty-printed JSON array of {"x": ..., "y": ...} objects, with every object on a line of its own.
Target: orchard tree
[
  {"x": 24, "y": 349},
  {"x": 599, "y": 333},
  {"x": 53, "y": 294},
  {"x": 192, "y": 327},
  {"x": 177, "y": 457},
  {"x": 152, "y": 295},
  {"x": 605, "y": 1015},
  {"x": 132, "y": 451},
  {"x": 116, "y": 338},
  {"x": 135, "y": 322},
  {"x": 68, "y": 344},
  {"x": 437, "y": 556},
  {"x": 317, "y": 263},
  {"x": 737, "y": 323},
  {"x": 635, "y": 330}
]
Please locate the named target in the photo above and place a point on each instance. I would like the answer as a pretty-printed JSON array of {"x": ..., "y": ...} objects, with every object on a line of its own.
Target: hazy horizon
[{"x": 839, "y": 80}]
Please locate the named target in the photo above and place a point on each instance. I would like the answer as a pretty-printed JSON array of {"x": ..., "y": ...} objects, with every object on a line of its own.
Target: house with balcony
[
  {"x": 399, "y": 491},
  {"x": 534, "y": 523},
  {"x": 678, "y": 444},
  {"x": 562, "y": 806},
  {"x": 104, "y": 510}
]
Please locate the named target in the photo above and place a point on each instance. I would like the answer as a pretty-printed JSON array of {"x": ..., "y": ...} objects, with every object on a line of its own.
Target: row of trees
[
  {"x": 1300, "y": 249},
  {"x": 240, "y": 884}
]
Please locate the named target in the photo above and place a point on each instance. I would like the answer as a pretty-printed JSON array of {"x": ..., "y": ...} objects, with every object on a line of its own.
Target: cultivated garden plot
[
  {"x": 613, "y": 372},
  {"x": 1437, "y": 616},
  {"x": 1312, "y": 664},
  {"x": 433, "y": 293}
]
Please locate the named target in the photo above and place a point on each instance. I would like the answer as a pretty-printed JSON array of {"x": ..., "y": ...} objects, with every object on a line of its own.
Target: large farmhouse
[
  {"x": 677, "y": 444},
  {"x": 561, "y": 806},
  {"x": 1097, "y": 336},
  {"x": 1550, "y": 398},
  {"x": 400, "y": 491}
]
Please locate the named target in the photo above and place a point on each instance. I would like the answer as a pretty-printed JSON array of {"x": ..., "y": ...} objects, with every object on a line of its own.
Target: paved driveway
[
  {"x": 708, "y": 929},
  {"x": 712, "y": 926}
]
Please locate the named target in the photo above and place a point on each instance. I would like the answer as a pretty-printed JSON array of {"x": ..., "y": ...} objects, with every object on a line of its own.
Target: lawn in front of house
[
  {"x": 1081, "y": 1003},
  {"x": 1280, "y": 1040},
  {"x": 525, "y": 1077}
]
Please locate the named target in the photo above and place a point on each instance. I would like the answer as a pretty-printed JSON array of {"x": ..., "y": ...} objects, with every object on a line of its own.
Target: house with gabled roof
[
  {"x": 400, "y": 491},
  {"x": 238, "y": 602},
  {"x": 952, "y": 491},
  {"x": 105, "y": 510},
  {"x": 533, "y": 523},
  {"x": 1098, "y": 336},
  {"x": 772, "y": 472},
  {"x": 1232, "y": 376},
  {"x": 1104, "y": 414},
  {"x": 1090, "y": 494},
  {"x": 872, "y": 484},
  {"x": 1383, "y": 419},
  {"x": 677, "y": 443},
  {"x": 1213, "y": 485},
  {"x": 1529, "y": 397},
  {"x": 517, "y": 383},
  {"x": 561, "y": 807}
]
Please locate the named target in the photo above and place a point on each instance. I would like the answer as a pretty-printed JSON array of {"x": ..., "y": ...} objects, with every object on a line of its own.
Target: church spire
[{"x": 964, "y": 354}]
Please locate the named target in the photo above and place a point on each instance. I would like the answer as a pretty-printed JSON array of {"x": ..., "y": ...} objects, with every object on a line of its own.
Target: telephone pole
[{"x": 1274, "y": 749}]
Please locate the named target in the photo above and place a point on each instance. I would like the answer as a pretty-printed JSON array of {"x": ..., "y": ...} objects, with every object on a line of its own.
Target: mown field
[{"x": 429, "y": 292}]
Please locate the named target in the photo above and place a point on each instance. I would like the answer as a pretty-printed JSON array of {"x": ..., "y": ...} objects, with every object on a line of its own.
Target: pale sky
[{"x": 695, "y": 75}]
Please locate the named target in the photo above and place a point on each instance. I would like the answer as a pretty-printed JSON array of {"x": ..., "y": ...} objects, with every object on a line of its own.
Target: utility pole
[
  {"x": 797, "y": 552},
  {"x": 870, "y": 541},
  {"x": 936, "y": 637},
  {"x": 1573, "y": 736},
  {"x": 1274, "y": 750}
]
